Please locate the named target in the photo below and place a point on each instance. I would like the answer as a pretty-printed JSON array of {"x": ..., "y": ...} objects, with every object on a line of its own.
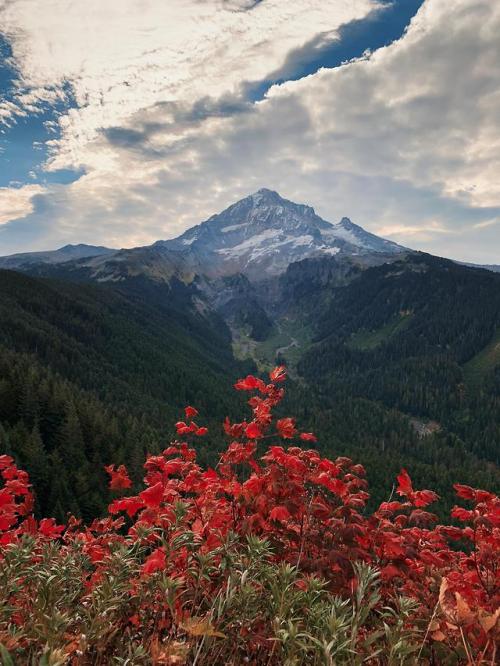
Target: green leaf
[{"x": 6, "y": 658}]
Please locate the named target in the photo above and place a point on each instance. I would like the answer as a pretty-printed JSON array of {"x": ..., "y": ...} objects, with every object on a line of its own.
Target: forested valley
[{"x": 99, "y": 373}]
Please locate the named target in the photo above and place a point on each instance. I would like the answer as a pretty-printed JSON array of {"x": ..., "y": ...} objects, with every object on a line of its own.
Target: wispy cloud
[{"x": 122, "y": 57}]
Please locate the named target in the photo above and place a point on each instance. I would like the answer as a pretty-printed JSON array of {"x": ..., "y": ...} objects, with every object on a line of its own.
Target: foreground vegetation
[{"x": 270, "y": 558}]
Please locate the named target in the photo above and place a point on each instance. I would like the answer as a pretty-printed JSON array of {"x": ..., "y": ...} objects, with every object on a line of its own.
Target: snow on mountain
[
  {"x": 259, "y": 237},
  {"x": 262, "y": 234},
  {"x": 356, "y": 235}
]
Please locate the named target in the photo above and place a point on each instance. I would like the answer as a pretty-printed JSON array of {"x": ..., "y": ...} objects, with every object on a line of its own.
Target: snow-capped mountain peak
[
  {"x": 262, "y": 234},
  {"x": 258, "y": 236}
]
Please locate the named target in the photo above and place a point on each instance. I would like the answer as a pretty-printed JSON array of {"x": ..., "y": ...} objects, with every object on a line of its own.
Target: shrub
[{"x": 270, "y": 558}]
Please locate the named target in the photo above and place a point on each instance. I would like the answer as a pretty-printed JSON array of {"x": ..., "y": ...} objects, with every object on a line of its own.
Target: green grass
[
  {"x": 365, "y": 340},
  {"x": 288, "y": 337},
  {"x": 243, "y": 345},
  {"x": 479, "y": 365}
]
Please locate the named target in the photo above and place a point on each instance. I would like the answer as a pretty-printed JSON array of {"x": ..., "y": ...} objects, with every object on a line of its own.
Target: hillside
[
  {"x": 51, "y": 257},
  {"x": 92, "y": 374},
  {"x": 407, "y": 335}
]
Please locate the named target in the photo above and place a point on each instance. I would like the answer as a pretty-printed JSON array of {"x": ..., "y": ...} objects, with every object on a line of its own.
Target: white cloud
[
  {"x": 406, "y": 141},
  {"x": 419, "y": 232},
  {"x": 122, "y": 56},
  {"x": 17, "y": 202}
]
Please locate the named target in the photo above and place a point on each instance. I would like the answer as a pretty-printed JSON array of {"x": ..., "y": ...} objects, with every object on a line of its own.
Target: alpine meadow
[{"x": 236, "y": 428}]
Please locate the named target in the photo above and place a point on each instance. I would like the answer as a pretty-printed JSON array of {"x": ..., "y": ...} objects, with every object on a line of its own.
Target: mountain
[
  {"x": 239, "y": 263},
  {"x": 258, "y": 237},
  {"x": 63, "y": 254},
  {"x": 261, "y": 235},
  {"x": 395, "y": 334}
]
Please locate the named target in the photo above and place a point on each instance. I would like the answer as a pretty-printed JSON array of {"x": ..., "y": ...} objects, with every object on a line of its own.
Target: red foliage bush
[{"x": 310, "y": 509}]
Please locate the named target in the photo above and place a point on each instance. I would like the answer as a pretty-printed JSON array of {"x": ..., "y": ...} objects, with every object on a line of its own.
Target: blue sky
[
  {"x": 382, "y": 26},
  {"x": 23, "y": 149},
  {"x": 120, "y": 125}
]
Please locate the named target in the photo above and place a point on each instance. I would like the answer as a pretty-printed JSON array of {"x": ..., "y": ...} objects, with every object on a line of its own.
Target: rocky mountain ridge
[{"x": 258, "y": 236}]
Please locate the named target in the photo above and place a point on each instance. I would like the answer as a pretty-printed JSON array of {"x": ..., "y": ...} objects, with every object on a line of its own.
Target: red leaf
[
  {"x": 335, "y": 486},
  {"x": 49, "y": 528},
  {"x": 404, "y": 483},
  {"x": 278, "y": 374},
  {"x": 5, "y": 461},
  {"x": 465, "y": 492},
  {"x": 422, "y": 498},
  {"x": 252, "y": 431},
  {"x": 5, "y": 498},
  {"x": 190, "y": 412},
  {"x": 129, "y": 504},
  {"x": 462, "y": 514},
  {"x": 389, "y": 572},
  {"x": 280, "y": 513},
  {"x": 184, "y": 429},
  {"x": 308, "y": 437},
  {"x": 119, "y": 477},
  {"x": 286, "y": 428},
  {"x": 390, "y": 506},
  {"x": 250, "y": 383},
  {"x": 17, "y": 487},
  {"x": 153, "y": 496},
  {"x": 155, "y": 562}
]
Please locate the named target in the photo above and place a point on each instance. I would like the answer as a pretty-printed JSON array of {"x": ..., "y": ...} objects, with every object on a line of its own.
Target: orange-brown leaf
[
  {"x": 200, "y": 626},
  {"x": 438, "y": 636},
  {"x": 464, "y": 614},
  {"x": 489, "y": 621}
]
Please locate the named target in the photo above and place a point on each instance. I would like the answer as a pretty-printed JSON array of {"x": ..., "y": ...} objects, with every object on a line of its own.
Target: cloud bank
[{"x": 405, "y": 141}]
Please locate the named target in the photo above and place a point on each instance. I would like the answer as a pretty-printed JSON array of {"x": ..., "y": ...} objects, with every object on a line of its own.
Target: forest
[{"x": 94, "y": 373}]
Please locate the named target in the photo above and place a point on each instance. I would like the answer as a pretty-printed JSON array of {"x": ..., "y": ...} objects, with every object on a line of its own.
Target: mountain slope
[
  {"x": 93, "y": 374},
  {"x": 125, "y": 333},
  {"x": 63, "y": 254},
  {"x": 403, "y": 334}
]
